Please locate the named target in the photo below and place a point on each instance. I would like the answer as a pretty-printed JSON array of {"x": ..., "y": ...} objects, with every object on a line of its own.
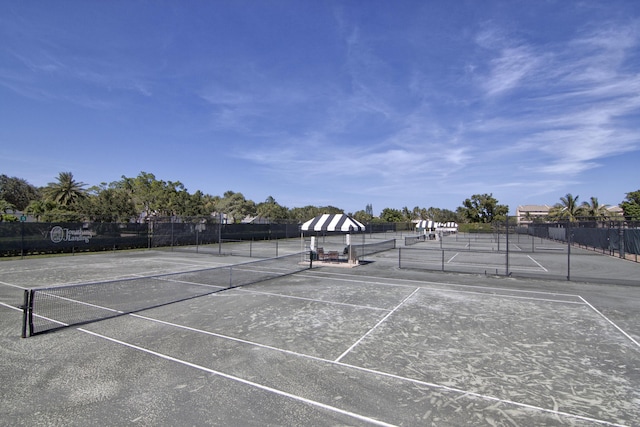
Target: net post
[
  {"x": 27, "y": 324},
  {"x": 25, "y": 316}
]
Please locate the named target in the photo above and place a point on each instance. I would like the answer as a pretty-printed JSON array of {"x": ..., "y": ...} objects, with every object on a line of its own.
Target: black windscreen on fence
[
  {"x": 613, "y": 236},
  {"x": 24, "y": 238}
]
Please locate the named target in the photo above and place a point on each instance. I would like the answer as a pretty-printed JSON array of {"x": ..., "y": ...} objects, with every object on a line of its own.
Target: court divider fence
[{"x": 509, "y": 250}]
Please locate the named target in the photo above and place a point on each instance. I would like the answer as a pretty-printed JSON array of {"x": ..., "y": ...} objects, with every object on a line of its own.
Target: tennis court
[
  {"x": 526, "y": 256},
  {"x": 370, "y": 345}
]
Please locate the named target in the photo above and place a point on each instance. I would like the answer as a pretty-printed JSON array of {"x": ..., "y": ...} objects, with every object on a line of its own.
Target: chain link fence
[
  {"x": 33, "y": 238},
  {"x": 578, "y": 251},
  {"x": 196, "y": 234}
]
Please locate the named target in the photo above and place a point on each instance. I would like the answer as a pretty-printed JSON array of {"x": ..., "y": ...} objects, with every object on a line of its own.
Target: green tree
[
  {"x": 568, "y": 209},
  {"x": 363, "y": 217},
  {"x": 154, "y": 197},
  {"x": 631, "y": 206},
  {"x": 235, "y": 206},
  {"x": 307, "y": 212},
  {"x": 482, "y": 208},
  {"x": 392, "y": 215},
  {"x": 594, "y": 210},
  {"x": 5, "y": 207},
  {"x": 39, "y": 208},
  {"x": 108, "y": 204},
  {"x": 271, "y": 210},
  {"x": 17, "y": 191},
  {"x": 416, "y": 213},
  {"x": 441, "y": 215},
  {"x": 66, "y": 191}
]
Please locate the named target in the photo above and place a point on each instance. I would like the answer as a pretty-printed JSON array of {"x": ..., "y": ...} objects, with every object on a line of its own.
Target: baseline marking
[
  {"x": 243, "y": 381},
  {"x": 359, "y": 368}
]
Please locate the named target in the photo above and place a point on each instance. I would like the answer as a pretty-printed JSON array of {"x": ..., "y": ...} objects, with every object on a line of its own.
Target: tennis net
[
  {"x": 373, "y": 248},
  {"x": 50, "y": 308},
  {"x": 412, "y": 240}
]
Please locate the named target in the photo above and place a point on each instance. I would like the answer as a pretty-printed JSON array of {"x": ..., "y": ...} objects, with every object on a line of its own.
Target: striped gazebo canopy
[
  {"x": 426, "y": 224},
  {"x": 333, "y": 222}
]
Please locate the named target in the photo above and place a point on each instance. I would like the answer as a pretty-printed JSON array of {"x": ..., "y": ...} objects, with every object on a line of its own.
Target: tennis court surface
[{"x": 364, "y": 346}]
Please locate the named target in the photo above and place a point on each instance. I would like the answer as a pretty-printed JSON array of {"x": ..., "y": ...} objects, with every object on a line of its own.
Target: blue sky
[{"x": 342, "y": 103}]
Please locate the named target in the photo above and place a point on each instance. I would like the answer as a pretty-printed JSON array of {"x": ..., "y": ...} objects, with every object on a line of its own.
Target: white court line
[
  {"x": 243, "y": 381},
  {"x": 539, "y": 265},
  {"x": 10, "y": 306},
  {"x": 375, "y": 326},
  {"x": 373, "y": 279},
  {"x": 611, "y": 322},
  {"x": 369, "y": 307},
  {"x": 451, "y": 259},
  {"x": 13, "y": 286},
  {"x": 367, "y": 370}
]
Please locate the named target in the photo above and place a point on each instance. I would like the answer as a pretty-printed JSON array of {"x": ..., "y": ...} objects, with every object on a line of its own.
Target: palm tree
[
  {"x": 568, "y": 208},
  {"x": 37, "y": 208},
  {"x": 66, "y": 191},
  {"x": 595, "y": 210},
  {"x": 6, "y": 206}
]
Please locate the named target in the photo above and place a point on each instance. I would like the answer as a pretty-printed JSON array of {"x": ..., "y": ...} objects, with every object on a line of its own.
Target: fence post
[
  {"x": 568, "y": 251},
  {"x": 21, "y": 239},
  {"x": 507, "y": 242},
  {"x": 220, "y": 234},
  {"x": 171, "y": 234}
]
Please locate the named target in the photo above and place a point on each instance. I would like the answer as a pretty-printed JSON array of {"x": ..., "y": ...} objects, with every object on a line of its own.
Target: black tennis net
[
  {"x": 373, "y": 248},
  {"x": 51, "y": 308},
  {"x": 412, "y": 240}
]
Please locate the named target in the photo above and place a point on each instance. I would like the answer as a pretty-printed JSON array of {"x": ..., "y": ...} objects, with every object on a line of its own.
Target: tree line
[
  {"x": 145, "y": 197},
  {"x": 570, "y": 209}
]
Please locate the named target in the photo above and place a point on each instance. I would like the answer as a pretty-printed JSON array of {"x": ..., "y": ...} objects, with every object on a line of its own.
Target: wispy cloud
[
  {"x": 573, "y": 110},
  {"x": 508, "y": 71}
]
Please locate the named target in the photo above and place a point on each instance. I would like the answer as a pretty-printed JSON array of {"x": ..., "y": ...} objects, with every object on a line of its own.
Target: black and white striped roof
[
  {"x": 426, "y": 224},
  {"x": 333, "y": 222}
]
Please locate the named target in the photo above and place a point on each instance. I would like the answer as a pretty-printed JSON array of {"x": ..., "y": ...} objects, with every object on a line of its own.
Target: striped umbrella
[{"x": 333, "y": 222}]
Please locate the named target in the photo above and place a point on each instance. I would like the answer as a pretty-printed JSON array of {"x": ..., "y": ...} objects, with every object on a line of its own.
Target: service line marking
[{"x": 376, "y": 325}]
